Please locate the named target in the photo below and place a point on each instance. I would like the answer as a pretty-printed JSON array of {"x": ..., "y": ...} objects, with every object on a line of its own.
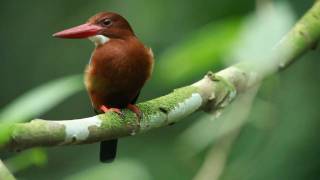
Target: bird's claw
[
  {"x": 131, "y": 107},
  {"x": 105, "y": 109},
  {"x": 136, "y": 110}
]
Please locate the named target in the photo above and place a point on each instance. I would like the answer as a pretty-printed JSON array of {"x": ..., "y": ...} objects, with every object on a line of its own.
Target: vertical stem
[{"x": 5, "y": 174}]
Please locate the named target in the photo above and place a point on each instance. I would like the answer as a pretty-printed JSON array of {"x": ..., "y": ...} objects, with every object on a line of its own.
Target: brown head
[{"x": 100, "y": 28}]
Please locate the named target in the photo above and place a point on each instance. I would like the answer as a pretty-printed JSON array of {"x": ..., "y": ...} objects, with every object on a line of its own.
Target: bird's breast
[{"x": 115, "y": 76}]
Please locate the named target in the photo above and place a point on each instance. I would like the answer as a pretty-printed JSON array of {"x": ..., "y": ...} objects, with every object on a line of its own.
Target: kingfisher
[{"x": 119, "y": 66}]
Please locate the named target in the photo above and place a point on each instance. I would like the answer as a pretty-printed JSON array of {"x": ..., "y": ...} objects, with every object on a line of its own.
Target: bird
[{"x": 119, "y": 67}]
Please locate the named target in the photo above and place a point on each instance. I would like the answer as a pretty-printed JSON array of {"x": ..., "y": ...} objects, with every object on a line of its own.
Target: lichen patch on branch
[
  {"x": 160, "y": 112},
  {"x": 78, "y": 130},
  {"x": 186, "y": 107}
]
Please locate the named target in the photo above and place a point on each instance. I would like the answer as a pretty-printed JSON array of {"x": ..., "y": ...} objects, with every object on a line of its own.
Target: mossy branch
[{"x": 214, "y": 91}]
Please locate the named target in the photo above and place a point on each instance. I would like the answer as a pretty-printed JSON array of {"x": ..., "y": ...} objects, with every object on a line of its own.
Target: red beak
[{"x": 78, "y": 32}]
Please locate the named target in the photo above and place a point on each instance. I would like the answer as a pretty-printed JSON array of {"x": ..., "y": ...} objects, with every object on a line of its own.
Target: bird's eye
[{"x": 106, "y": 22}]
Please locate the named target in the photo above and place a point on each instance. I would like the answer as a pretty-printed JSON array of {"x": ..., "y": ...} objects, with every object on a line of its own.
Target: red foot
[
  {"x": 105, "y": 109},
  {"x": 136, "y": 110}
]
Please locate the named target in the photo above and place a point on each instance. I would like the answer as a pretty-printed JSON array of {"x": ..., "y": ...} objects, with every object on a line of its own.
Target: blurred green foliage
[
  {"x": 125, "y": 169},
  {"x": 262, "y": 31},
  {"x": 24, "y": 160},
  {"x": 278, "y": 139},
  {"x": 205, "y": 49},
  {"x": 41, "y": 99}
]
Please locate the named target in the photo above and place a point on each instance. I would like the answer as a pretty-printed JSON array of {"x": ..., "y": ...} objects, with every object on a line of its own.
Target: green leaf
[
  {"x": 202, "y": 51},
  {"x": 262, "y": 30},
  {"x": 25, "y": 159},
  {"x": 41, "y": 99}
]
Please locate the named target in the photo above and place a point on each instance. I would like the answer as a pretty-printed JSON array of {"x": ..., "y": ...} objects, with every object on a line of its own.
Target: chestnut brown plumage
[{"x": 119, "y": 66}]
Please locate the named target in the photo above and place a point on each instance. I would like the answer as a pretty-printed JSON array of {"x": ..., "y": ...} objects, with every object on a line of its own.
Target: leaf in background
[
  {"x": 261, "y": 31},
  {"x": 41, "y": 99},
  {"x": 25, "y": 159},
  {"x": 199, "y": 53},
  {"x": 120, "y": 169}
]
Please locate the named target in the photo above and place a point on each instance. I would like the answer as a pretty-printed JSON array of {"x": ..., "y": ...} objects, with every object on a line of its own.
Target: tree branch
[{"x": 213, "y": 92}]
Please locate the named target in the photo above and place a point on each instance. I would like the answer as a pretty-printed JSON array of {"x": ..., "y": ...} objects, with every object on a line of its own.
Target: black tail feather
[{"x": 108, "y": 150}]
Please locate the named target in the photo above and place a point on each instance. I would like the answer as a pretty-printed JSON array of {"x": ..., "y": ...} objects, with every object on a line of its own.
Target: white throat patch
[{"x": 99, "y": 39}]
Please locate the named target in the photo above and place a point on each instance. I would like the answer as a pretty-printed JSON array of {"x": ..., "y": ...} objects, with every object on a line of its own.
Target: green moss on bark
[
  {"x": 168, "y": 102},
  {"x": 129, "y": 124}
]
